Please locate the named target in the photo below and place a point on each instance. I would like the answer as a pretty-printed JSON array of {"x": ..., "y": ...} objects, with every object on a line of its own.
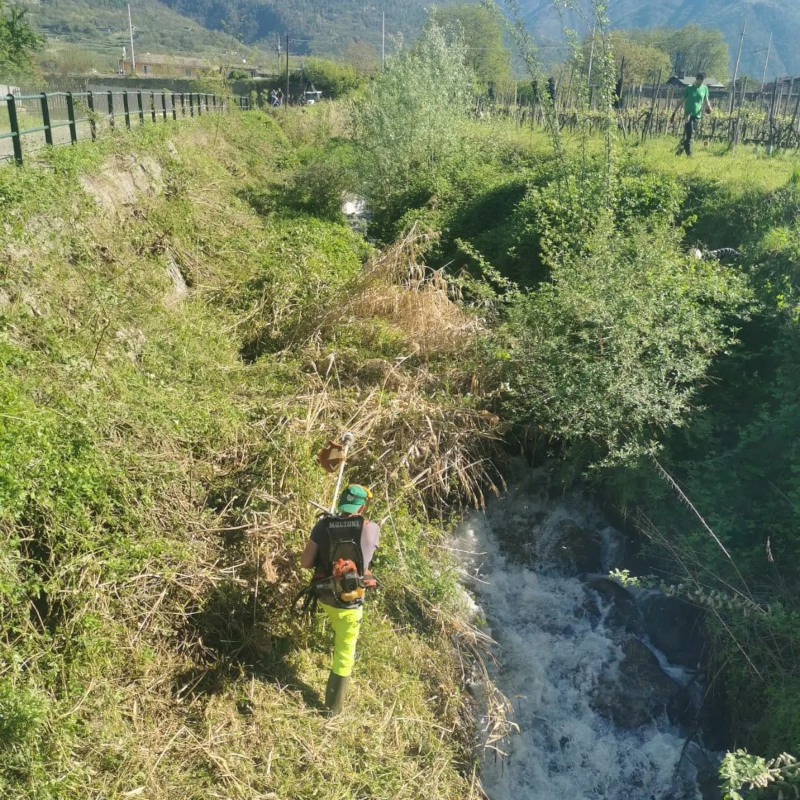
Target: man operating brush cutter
[{"x": 340, "y": 550}]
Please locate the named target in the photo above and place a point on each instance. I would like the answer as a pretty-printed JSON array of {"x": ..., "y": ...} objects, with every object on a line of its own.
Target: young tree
[
  {"x": 691, "y": 49},
  {"x": 642, "y": 62},
  {"x": 408, "y": 126},
  {"x": 18, "y": 42},
  {"x": 482, "y": 35}
]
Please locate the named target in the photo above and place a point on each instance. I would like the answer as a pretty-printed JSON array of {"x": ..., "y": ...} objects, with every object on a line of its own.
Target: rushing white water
[{"x": 551, "y": 657}]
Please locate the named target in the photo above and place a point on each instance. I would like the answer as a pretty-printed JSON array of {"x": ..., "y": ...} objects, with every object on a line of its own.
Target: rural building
[
  {"x": 162, "y": 66},
  {"x": 781, "y": 85},
  {"x": 687, "y": 80}
]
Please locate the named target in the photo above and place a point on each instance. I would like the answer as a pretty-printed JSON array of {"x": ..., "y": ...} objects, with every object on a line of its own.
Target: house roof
[
  {"x": 687, "y": 80},
  {"x": 768, "y": 87},
  {"x": 156, "y": 59}
]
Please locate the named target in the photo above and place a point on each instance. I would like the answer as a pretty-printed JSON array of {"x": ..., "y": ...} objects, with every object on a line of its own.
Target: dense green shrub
[
  {"x": 333, "y": 79},
  {"x": 608, "y": 352},
  {"x": 409, "y": 125}
]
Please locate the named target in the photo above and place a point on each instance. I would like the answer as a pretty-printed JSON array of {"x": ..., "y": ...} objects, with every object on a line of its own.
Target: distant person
[
  {"x": 273, "y": 98},
  {"x": 695, "y": 101},
  {"x": 279, "y": 96}
]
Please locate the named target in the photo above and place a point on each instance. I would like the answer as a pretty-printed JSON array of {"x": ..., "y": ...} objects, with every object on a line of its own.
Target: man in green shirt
[{"x": 695, "y": 100}]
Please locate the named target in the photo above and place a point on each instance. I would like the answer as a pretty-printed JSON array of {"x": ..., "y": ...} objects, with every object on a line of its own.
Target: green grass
[
  {"x": 157, "y": 455},
  {"x": 746, "y": 168},
  {"x": 154, "y": 479}
]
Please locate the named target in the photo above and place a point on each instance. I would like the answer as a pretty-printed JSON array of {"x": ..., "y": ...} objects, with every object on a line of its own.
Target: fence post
[
  {"x": 48, "y": 131},
  {"x": 796, "y": 109},
  {"x": 141, "y": 106},
  {"x": 126, "y": 105},
  {"x": 199, "y": 104},
  {"x": 73, "y": 129},
  {"x": 183, "y": 104},
  {"x": 214, "y": 101},
  {"x": 191, "y": 104},
  {"x": 111, "y": 121},
  {"x": 13, "y": 121},
  {"x": 92, "y": 119},
  {"x": 153, "y": 106},
  {"x": 648, "y": 125},
  {"x": 174, "y": 110},
  {"x": 164, "y": 104},
  {"x": 772, "y": 116}
]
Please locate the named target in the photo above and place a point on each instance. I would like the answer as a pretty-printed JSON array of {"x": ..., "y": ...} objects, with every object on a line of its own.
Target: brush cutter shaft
[{"x": 347, "y": 439}]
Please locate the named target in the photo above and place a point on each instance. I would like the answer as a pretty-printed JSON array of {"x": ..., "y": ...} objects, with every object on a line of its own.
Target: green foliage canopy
[
  {"x": 409, "y": 123},
  {"x": 610, "y": 350},
  {"x": 481, "y": 33},
  {"x": 691, "y": 49},
  {"x": 18, "y": 42},
  {"x": 331, "y": 78},
  {"x": 634, "y": 61}
]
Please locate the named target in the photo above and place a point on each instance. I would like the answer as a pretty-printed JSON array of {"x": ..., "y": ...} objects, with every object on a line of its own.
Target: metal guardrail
[{"x": 78, "y": 111}]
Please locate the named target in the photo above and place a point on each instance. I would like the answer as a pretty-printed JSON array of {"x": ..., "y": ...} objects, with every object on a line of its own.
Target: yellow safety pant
[{"x": 346, "y": 624}]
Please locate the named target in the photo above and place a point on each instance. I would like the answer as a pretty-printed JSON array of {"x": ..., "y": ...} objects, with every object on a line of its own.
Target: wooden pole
[
  {"x": 771, "y": 115},
  {"x": 649, "y": 124},
  {"x": 736, "y": 68},
  {"x": 286, "y": 99},
  {"x": 796, "y": 109}
]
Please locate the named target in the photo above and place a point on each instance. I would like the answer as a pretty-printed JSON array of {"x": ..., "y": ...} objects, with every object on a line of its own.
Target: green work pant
[{"x": 346, "y": 623}]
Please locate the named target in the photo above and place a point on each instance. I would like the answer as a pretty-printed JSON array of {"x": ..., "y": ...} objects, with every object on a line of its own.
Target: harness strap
[{"x": 309, "y": 593}]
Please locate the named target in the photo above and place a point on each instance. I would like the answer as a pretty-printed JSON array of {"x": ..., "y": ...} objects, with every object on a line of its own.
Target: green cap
[{"x": 352, "y": 499}]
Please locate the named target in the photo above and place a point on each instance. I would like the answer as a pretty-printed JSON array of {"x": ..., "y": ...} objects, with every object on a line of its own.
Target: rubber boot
[
  {"x": 335, "y": 693},
  {"x": 687, "y": 138}
]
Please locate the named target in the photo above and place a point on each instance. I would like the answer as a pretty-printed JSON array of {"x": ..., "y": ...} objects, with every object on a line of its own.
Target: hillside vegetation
[
  {"x": 101, "y": 26},
  {"x": 343, "y": 28},
  {"x": 182, "y": 334},
  {"x": 177, "y": 342}
]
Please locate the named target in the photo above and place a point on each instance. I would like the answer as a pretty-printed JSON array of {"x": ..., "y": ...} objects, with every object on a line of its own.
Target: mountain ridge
[{"x": 761, "y": 17}]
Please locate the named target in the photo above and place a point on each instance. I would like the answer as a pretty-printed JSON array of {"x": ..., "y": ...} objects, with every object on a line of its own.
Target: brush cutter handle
[{"x": 347, "y": 439}]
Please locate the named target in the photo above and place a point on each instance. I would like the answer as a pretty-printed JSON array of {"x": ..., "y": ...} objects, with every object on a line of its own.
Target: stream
[{"x": 602, "y": 713}]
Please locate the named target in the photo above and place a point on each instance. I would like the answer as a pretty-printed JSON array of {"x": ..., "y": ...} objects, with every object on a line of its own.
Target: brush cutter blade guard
[{"x": 331, "y": 456}]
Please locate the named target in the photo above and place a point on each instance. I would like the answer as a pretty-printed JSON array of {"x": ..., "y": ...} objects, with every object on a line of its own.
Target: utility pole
[
  {"x": 736, "y": 68},
  {"x": 286, "y": 99},
  {"x": 383, "y": 40},
  {"x": 130, "y": 28},
  {"x": 766, "y": 61}
]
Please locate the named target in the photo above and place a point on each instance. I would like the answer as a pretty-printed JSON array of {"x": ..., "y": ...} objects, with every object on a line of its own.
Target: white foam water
[{"x": 550, "y": 658}]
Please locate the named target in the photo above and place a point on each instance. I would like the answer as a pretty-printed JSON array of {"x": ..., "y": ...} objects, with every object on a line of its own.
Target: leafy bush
[
  {"x": 333, "y": 79},
  {"x": 22, "y": 714},
  {"x": 318, "y": 187},
  {"x": 609, "y": 351},
  {"x": 409, "y": 125}
]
